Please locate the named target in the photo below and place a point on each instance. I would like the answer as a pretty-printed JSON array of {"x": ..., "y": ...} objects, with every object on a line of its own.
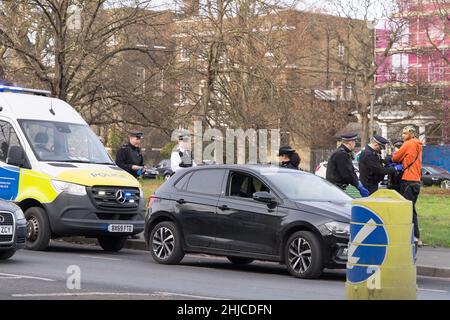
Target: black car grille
[
  {"x": 115, "y": 197},
  {"x": 7, "y": 220}
]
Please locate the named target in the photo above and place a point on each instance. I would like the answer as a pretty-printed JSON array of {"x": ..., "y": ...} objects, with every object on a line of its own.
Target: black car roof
[{"x": 256, "y": 168}]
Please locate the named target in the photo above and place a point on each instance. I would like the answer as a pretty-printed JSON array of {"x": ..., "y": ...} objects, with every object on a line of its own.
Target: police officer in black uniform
[
  {"x": 371, "y": 169},
  {"x": 340, "y": 170},
  {"x": 129, "y": 156},
  {"x": 289, "y": 158}
]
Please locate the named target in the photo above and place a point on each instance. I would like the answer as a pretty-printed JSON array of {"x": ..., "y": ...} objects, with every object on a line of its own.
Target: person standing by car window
[
  {"x": 182, "y": 156},
  {"x": 410, "y": 156},
  {"x": 289, "y": 158},
  {"x": 371, "y": 170},
  {"x": 129, "y": 156},
  {"x": 340, "y": 170}
]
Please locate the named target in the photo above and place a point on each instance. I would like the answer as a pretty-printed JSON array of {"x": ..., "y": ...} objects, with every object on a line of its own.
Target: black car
[
  {"x": 150, "y": 173},
  {"x": 250, "y": 212},
  {"x": 432, "y": 175},
  {"x": 13, "y": 229},
  {"x": 164, "y": 169}
]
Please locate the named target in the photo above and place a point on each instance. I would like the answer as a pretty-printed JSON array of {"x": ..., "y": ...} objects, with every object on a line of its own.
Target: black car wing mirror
[
  {"x": 265, "y": 197},
  {"x": 16, "y": 157}
]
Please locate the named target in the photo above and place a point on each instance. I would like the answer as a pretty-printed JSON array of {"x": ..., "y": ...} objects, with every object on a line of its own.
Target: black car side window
[
  {"x": 182, "y": 183},
  {"x": 208, "y": 182},
  {"x": 244, "y": 186}
]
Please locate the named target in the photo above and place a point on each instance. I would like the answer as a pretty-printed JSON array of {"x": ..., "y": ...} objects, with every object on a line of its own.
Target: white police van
[{"x": 56, "y": 170}]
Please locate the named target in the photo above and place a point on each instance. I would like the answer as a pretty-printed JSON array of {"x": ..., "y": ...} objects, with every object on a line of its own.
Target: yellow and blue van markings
[{"x": 9, "y": 182}]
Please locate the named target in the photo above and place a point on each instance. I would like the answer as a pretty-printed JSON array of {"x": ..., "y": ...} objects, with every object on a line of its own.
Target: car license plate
[
  {"x": 120, "y": 228},
  {"x": 6, "y": 230}
]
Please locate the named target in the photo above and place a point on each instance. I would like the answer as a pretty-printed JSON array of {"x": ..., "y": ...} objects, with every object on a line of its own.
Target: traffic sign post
[{"x": 381, "y": 255}]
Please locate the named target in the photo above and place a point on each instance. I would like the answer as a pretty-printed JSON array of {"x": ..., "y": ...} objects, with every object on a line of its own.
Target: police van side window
[{"x": 8, "y": 139}]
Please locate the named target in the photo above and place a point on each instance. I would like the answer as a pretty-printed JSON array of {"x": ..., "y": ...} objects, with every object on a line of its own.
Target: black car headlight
[{"x": 338, "y": 228}]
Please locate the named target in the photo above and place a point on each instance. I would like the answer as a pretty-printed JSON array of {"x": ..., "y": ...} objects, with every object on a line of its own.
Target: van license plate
[
  {"x": 120, "y": 228},
  {"x": 6, "y": 230}
]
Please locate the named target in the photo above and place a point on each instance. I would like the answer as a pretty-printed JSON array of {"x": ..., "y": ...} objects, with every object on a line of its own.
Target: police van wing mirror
[
  {"x": 16, "y": 157},
  {"x": 265, "y": 197}
]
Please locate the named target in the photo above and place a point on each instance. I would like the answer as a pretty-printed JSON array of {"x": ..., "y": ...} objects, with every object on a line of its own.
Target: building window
[
  {"x": 402, "y": 37},
  {"x": 184, "y": 55},
  {"x": 141, "y": 77},
  {"x": 435, "y": 71},
  {"x": 400, "y": 67},
  {"x": 341, "y": 50},
  {"x": 184, "y": 90}
]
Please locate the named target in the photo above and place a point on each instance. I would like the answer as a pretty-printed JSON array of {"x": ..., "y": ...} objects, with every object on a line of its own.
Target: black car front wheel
[
  {"x": 165, "y": 243},
  {"x": 5, "y": 255},
  {"x": 304, "y": 255},
  {"x": 445, "y": 184}
]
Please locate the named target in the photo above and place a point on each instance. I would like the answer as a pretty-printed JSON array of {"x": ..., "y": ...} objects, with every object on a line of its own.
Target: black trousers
[{"x": 410, "y": 191}]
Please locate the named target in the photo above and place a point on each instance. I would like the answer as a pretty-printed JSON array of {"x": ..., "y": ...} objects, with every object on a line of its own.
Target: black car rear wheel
[
  {"x": 165, "y": 243},
  {"x": 111, "y": 244},
  {"x": 5, "y": 255},
  {"x": 304, "y": 255},
  {"x": 240, "y": 261}
]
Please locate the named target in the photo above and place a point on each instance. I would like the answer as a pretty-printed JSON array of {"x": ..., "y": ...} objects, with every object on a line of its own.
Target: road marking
[
  {"x": 188, "y": 295},
  {"x": 433, "y": 290},
  {"x": 78, "y": 294},
  {"x": 20, "y": 276},
  {"x": 100, "y": 258}
]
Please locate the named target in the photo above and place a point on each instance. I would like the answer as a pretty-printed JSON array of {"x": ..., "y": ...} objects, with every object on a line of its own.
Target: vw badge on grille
[
  {"x": 2, "y": 219},
  {"x": 120, "y": 197}
]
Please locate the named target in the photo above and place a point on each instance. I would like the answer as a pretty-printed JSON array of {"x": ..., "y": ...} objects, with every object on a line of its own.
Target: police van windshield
[{"x": 64, "y": 142}]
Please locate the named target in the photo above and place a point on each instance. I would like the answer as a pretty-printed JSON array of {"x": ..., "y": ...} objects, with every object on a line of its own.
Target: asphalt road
[{"x": 132, "y": 274}]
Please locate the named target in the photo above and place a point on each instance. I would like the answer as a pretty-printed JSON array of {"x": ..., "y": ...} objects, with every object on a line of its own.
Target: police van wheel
[
  {"x": 112, "y": 244},
  {"x": 5, "y": 255},
  {"x": 167, "y": 177},
  {"x": 38, "y": 229},
  {"x": 165, "y": 243},
  {"x": 304, "y": 255}
]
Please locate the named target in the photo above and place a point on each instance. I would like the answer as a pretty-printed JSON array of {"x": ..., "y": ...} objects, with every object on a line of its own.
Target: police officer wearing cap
[
  {"x": 371, "y": 169},
  {"x": 340, "y": 170},
  {"x": 129, "y": 156},
  {"x": 289, "y": 158},
  {"x": 182, "y": 157}
]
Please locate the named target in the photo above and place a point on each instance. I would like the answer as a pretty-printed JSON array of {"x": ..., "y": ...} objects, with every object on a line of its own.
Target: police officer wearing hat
[
  {"x": 182, "y": 157},
  {"x": 289, "y": 158},
  {"x": 340, "y": 170},
  {"x": 371, "y": 169},
  {"x": 129, "y": 156}
]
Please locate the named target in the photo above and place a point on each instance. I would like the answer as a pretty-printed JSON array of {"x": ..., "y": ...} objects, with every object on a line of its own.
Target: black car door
[
  {"x": 427, "y": 177},
  {"x": 196, "y": 203},
  {"x": 244, "y": 224}
]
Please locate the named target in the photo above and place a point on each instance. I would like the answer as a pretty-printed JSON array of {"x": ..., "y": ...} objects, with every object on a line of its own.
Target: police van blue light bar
[{"x": 6, "y": 88}]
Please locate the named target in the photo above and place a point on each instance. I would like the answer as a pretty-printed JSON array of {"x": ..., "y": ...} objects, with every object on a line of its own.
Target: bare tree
[{"x": 74, "y": 47}]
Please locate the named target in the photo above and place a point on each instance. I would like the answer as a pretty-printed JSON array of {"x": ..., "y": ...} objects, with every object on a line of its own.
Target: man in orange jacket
[{"x": 410, "y": 156}]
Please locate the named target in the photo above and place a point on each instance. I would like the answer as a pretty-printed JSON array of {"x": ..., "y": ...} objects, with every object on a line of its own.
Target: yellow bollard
[{"x": 381, "y": 255}]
